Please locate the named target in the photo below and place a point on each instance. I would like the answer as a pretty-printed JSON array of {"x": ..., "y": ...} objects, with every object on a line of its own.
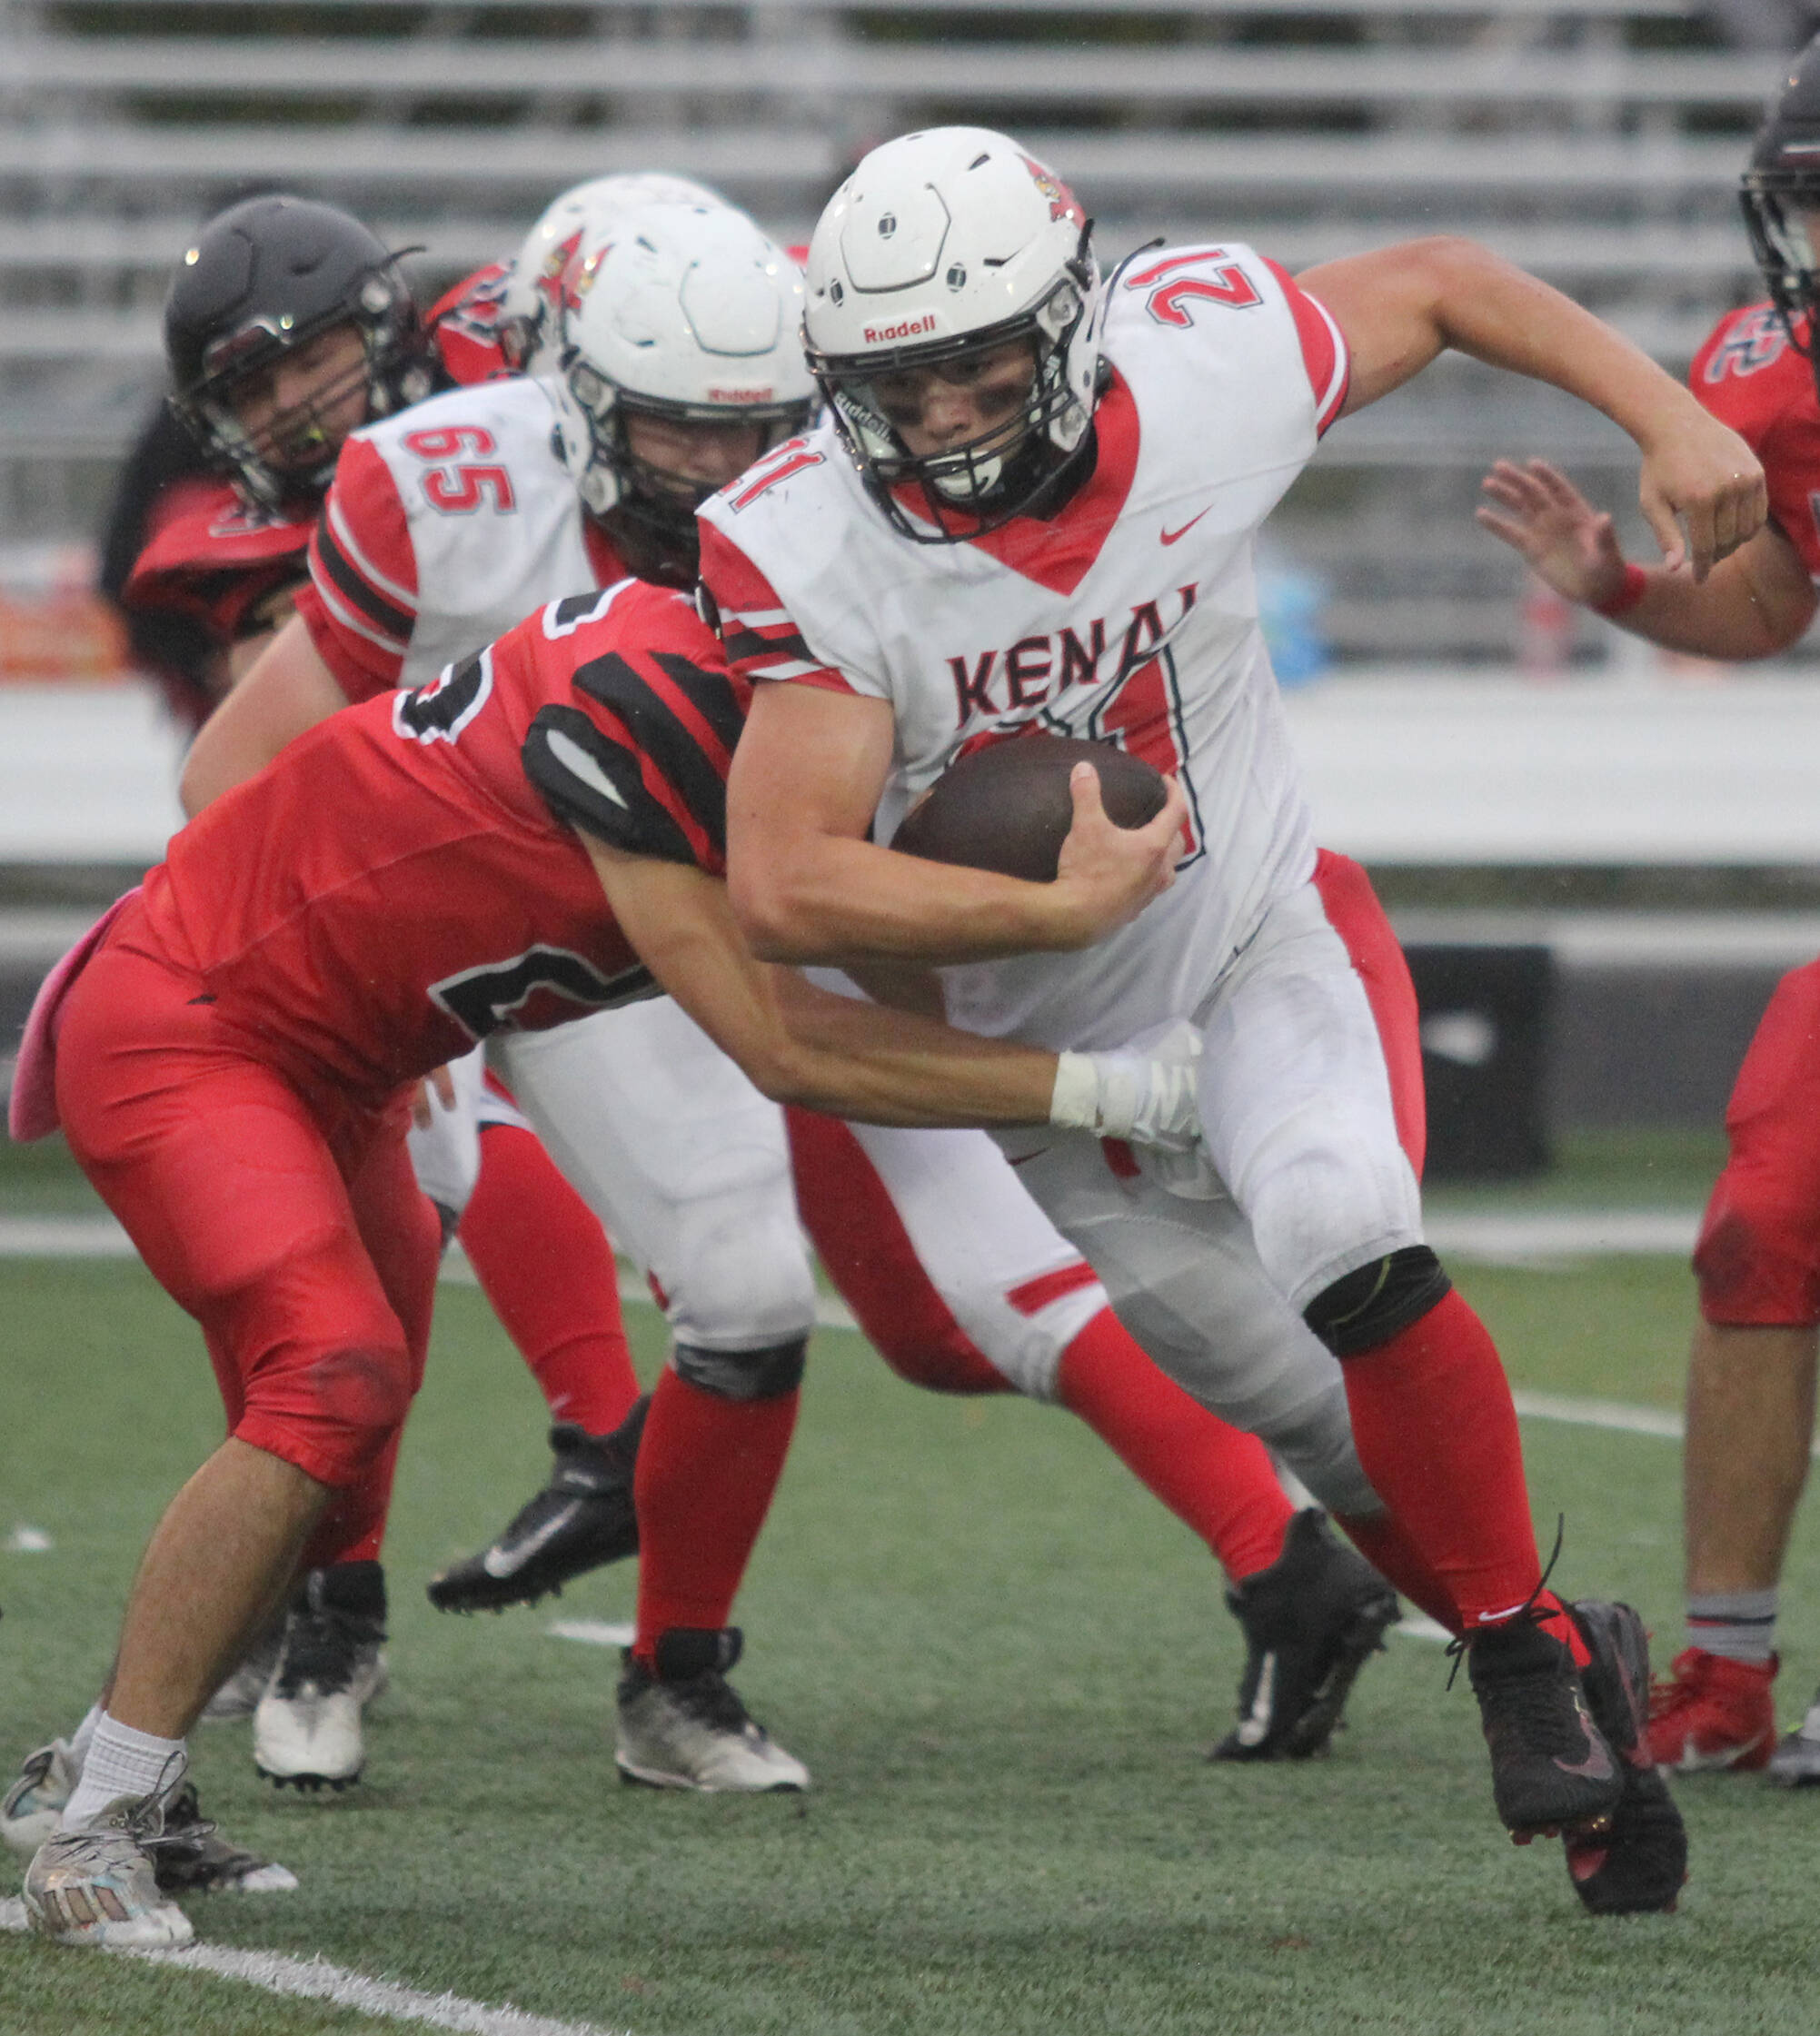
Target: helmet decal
[
  {"x": 991, "y": 263},
  {"x": 1063, "y": 204},
  {"x": 685, "y": 316}
]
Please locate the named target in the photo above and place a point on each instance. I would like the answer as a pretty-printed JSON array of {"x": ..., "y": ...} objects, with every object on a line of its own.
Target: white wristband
[
  {"x": 1075, "y": 1100},
  {"x": 1146, "y": 1096}
]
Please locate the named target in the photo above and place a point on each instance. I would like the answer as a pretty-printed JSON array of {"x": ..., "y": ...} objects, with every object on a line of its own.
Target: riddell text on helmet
[{"x": 908, "y": 328}]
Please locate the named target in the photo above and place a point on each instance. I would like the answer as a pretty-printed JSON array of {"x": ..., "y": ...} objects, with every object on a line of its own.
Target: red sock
[
  {"x": 1392, "y": 1553},
  {"x": 1214, "y": 1478},
  {"x": 707, "y": 1468},
  {"x": 353, "y": 1527},
  {"x": 546, "y": 1266},
  {"x": 861, "y": 1239},
  {"x": 1437, "y": 1434}
]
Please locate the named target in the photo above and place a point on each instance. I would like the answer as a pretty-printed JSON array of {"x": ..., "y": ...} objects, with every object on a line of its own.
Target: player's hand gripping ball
[{"x": 1008, "y": 807}]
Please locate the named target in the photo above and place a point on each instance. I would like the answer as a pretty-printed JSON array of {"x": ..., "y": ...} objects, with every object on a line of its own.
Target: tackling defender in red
[
  {"x": 537, "y": 833},
  {"x": 1751, "y": 1369}
]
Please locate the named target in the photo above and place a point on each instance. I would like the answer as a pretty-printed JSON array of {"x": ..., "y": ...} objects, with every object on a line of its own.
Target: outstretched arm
[
  {"x": 288, "y": 689},
  {"x": 808, "y": 887},
  {"x": 1752, "y": 604},
  {"x": 802, "y": 1045},
  {"x": 1401, "y": 306}
]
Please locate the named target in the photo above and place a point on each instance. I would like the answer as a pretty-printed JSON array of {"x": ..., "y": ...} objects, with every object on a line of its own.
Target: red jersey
[
  {"x": 404, "y": 880},
  {"x": 219, "y": 560},
  {"x": 222, "y": 561},
  {"x": 464, "y": 323},
  {"x": 1750, "y": 377}
]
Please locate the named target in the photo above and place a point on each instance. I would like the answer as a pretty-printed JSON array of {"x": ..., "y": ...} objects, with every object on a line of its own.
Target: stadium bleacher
[{"x": 1596, "y": 141}]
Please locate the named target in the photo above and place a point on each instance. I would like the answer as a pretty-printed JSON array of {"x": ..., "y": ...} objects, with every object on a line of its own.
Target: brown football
[{"x": 1007, "y": 807}]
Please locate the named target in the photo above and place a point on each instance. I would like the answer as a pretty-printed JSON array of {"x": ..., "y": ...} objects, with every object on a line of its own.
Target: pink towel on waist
[{"x": 31, "y": 1110}]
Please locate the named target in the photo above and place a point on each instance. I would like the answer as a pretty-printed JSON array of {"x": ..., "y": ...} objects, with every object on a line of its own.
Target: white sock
[
  {"x": 123, "y": 1762},
  {"x": 82, "y": 1737},
  {"x": 1738, "y": 1624}
]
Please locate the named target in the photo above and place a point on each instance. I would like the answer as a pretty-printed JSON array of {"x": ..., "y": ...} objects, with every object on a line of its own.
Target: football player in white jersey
[
  {"x": 1031, "y": 504},
  {"x": 682, "y": 360}
]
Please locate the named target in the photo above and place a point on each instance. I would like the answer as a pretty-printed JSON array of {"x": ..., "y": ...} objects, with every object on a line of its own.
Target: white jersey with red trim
[
  {"x": 445, "y": 525},
  {"x": 1131, "y": 617}
]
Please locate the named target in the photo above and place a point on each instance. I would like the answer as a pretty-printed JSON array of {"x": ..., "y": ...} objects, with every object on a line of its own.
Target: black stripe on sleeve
[
  {"x": 709, "y": 692},
  {"x": 671, "y": 745},
  {"x": 348, "y": 582},
  {"x": 590, "y": 781},
  {"x": 747, "y": 646}
]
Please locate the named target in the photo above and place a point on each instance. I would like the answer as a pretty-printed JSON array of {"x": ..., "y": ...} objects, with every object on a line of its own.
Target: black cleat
[
  {"x": 193, "y": 1858},
  {"x": 1312, "y": 1621},
  {"x": 583, "y": 1518},
  {"x": 1640, "y": 1865},
  {"x": 1552, "y": 1769}
]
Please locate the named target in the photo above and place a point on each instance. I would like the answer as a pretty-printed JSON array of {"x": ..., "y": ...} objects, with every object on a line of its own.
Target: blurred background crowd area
[
  {"x": 1597, "y": 141},
  {"x": 1600, "y": 857}
]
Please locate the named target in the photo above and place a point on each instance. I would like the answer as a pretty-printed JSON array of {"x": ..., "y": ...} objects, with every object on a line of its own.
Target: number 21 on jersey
[{"x": 1181, "y": 281}]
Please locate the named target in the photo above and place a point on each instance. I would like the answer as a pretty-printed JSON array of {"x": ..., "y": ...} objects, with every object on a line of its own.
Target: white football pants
[
  {"x": 688, "y": 1168},
  {"x": 1305, "y": 1182}
]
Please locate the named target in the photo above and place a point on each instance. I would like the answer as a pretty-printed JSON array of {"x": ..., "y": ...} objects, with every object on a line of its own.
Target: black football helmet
[
  {"x": 1781, "y": 197},
  {"x": 263, "y": 279}
]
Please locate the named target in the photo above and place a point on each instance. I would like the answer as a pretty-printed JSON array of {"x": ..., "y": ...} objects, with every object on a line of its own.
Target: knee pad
[
  {"x": 767, "y": 1373},
  {"x": 1371, "y": 1306},
  {"x": 360, "y": 1399},
  {"x": 1758, "y": 1261}
]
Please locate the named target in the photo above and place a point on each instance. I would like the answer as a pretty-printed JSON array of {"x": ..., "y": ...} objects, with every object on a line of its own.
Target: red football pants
[
  {"x": 1759, "y": 1257},
  {"x": 282, "y": 1215}
]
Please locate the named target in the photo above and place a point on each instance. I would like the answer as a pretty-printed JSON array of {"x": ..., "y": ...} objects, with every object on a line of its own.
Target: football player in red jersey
[
  {"x": 1033, "y": 502},
  {"x": 1751, "y": 1368},
  {"x": 682, "y": 362},
  {"x": 536, "y": 832},
  {"x": 287, "y": 327}
]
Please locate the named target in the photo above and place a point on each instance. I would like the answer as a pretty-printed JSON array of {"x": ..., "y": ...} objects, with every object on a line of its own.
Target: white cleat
[
  {"x": 99, "y": 1885},
  {"x": 309, "y": 1737},
  {"x": 306, "y": 1729},
  {"x": 1795, "y": 1762},
  {"x": 34, "y": 1806},
  {"x": 686, "y": 1728}
]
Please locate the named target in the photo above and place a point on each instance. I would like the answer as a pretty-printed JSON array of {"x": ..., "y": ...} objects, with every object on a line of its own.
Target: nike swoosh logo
[
  {"x": 1174, "y": 537},
  {"x": 1596, "y": 1766},
  {"x": 503, "y": 1563},
  {"x": 1256, "y": 1728}
]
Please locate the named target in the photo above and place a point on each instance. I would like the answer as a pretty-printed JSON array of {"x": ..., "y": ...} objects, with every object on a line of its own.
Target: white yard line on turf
[
  {"x": 592, "y": 1633},
  {"x": 1599, "y": 1414},
  {"x": 1549, "y": 1234},
  {"x": 315, "y": 1979},
  {"x": 1520, "y": 1235},
  {"x": 1515, "y": 1237}
]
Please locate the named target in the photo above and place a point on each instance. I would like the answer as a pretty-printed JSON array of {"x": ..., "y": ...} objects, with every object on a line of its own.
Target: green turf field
[{"x": 1001, "y": 1662}]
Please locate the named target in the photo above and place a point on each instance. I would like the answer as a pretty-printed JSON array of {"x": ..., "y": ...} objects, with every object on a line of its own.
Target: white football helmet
[
  {"x": 942, "y": 244},
  {"x": 690, "y": 315},
  {"x": 533, "y": 285}
]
